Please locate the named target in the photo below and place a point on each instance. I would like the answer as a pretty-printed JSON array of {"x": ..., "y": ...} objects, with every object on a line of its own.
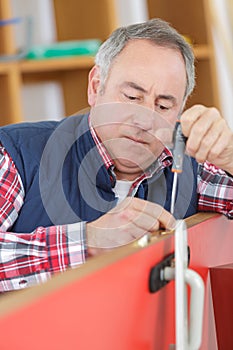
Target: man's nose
[
  {"x": 143, "y": 117},
  {"x": 144, "y": 122}
]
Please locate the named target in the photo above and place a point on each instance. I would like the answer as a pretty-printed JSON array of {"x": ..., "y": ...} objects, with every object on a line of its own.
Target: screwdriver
[{"x": 179, "y": 142}]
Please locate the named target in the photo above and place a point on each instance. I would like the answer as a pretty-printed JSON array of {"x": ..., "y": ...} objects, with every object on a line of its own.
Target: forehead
[
  {"x": 143, "y": 61},
  {"x": 142, "y": 50}
]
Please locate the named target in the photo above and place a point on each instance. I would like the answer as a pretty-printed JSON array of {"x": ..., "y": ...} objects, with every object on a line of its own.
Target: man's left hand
[{"x": 209, "y": 136}]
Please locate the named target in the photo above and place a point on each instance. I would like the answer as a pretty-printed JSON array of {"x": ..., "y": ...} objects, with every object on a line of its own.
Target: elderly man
[{"x": 73, "y": 188}]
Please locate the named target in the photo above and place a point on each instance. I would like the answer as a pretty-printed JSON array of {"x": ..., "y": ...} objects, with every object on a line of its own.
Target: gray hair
[{"x": 155, "y": 30}]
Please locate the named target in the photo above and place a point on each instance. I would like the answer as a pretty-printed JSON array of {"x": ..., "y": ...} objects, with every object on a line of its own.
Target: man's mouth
[{"x": 136, "y": 139}]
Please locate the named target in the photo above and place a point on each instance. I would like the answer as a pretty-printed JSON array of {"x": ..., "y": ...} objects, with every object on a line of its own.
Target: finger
[
  {"x": 189, "y": 117},
  {"x": 205, "y": 127},
  {"x": 127, "y": 235},
  {"x": 157, "y": 212},
  {"x": 166, "y": 220},
  {"x": 137, "y": 214},
  {"x": 207, "y": 143},
  {"x": 112, "y": 237},
  {"x": 222, "y": 151},
  {"x": 131, "y": 206},
  {"x": 224, "y": 141},
  {"x": 146, "y": 222}
]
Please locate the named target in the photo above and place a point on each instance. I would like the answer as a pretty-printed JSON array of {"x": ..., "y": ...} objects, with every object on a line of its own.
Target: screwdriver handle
[{"x": 179, "y": 142}]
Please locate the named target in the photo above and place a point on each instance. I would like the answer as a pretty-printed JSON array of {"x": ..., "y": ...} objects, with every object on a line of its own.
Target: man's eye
[
  {"x": 131, "y": 98},
  {"x": 162, "y": 107}
]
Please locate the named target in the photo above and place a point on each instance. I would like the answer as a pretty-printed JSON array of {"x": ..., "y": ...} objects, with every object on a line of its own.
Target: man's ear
[{"x": 93, "y": 85}]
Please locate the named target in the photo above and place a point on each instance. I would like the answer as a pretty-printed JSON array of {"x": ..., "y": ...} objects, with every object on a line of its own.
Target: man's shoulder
[
  {"x": 29, "y": 139},
  {"x": 25, "y": 131}
]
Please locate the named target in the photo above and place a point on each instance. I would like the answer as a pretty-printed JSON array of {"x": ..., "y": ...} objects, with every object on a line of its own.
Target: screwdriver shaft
[{"x": 174, "y": 188}]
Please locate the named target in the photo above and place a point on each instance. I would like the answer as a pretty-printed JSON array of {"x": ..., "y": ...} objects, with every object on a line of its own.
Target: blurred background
[{"x": 41, "y": 80}]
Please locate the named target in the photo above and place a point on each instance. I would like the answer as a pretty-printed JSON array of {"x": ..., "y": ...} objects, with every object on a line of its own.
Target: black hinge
[{"x": 156, "y": 281}]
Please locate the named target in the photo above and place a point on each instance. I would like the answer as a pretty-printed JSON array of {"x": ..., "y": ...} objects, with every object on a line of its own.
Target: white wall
[
  {"x": 42, "y": 100},
  {"x": 222, "y": 35},
  {"x": 131, "y": 11}
]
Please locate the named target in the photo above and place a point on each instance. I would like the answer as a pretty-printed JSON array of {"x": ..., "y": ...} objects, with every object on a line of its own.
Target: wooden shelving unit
[
  {"x": 77, "y": 20},
  {"x": 71, "y": 73},
  {"x": 96, "y": 19},
  {"x": 192, "y": 18}
]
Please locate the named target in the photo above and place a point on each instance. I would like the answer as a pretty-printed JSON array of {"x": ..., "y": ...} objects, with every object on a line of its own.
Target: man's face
[{"x": 150, "y": 82}]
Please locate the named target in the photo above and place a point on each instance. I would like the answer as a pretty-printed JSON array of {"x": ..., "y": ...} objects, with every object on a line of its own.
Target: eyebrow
[
  {"x": 134, "y": 86},
  {"x": 141, "y": 89},
  {"x": 167, "y": 97}
]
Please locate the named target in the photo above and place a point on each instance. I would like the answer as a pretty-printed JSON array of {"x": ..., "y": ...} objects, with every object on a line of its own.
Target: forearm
[
  {"x": 29, "y": 259},
  {"x": 215, "y": 190}
]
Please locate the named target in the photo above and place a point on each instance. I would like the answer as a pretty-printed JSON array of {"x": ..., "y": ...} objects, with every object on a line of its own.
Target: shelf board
[
  {"x": 7, "y": 67},
  {"x": 56, "y": 64},
  {"x": 70, "y": 63},
  {"x": 202, "y": 51}
]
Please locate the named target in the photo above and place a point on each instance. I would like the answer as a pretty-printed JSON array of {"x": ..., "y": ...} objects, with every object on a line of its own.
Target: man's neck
[{"x": 126, "y": 176}]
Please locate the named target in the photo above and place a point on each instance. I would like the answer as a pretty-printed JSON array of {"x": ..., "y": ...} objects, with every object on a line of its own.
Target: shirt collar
[{"x": 108, "y": 162}]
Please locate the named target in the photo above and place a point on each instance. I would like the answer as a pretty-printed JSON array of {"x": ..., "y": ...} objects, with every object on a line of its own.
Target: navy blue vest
[{"x": 65, "y": 180}]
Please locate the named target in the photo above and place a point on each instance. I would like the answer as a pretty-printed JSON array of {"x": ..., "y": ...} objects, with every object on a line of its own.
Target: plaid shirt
[{"x": 28, "y": 259}]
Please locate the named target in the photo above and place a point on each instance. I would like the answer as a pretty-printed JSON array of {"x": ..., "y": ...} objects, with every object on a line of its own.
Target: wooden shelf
[
  {"x": 202, "y": 51},
  {"x": 56, "y": 64},
  {"x": 70, "y": 63},
  {"x": 7, "y": 67}
]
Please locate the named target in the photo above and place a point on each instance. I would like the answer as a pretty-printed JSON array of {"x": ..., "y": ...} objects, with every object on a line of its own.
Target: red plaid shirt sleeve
[
  {"x": 28, "y": 259},
  {"x": 215, "y": 190}
]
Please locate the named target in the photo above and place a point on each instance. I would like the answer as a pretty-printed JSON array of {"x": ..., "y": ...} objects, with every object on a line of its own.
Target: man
[{"x": 71, "y": 189}]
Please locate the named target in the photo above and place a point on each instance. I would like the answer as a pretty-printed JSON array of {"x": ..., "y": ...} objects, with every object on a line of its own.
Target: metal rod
[{"x": 174, "y": 188}]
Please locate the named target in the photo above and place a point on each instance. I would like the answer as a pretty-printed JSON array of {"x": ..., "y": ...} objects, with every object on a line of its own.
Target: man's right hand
[{"x": 128, "y": 221}]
